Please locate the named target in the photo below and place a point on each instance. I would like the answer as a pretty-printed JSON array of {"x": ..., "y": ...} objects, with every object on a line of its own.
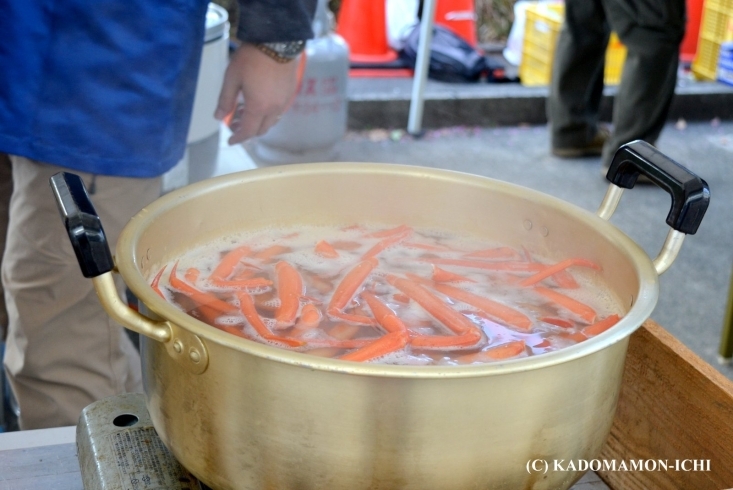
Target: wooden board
[
  {"x": 673, "y": 406},
  {"x": 53, "y": 467}
]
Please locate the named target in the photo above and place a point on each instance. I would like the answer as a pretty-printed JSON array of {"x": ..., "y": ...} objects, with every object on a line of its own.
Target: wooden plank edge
[{"x": 673, "y": 408}]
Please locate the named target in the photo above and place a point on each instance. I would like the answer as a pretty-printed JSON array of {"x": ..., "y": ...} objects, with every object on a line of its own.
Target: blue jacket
[{"x": 107, "y": 86}]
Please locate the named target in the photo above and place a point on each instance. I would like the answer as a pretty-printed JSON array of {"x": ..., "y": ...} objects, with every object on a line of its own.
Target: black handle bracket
[
  {"x": 82, "y": 224},
  {"x": 690, "y": 194}
]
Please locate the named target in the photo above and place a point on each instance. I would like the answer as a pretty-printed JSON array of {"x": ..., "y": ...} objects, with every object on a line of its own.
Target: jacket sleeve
[{"x": 262, "y": 21}]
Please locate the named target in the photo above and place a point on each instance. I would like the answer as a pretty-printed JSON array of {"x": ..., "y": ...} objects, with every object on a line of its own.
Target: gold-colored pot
[{"x": 243, "y": 415}]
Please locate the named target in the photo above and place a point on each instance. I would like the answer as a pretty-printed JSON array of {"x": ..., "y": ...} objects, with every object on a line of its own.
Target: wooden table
[{"x": 673, "y": 405}]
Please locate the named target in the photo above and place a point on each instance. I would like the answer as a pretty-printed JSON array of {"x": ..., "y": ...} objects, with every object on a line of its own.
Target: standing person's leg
[
  {"x": 6, "y": 189},
  {"x": 63, "y": 351},
  {"x": 577, "y": 80},
  {"x": 652, "y": 31}
]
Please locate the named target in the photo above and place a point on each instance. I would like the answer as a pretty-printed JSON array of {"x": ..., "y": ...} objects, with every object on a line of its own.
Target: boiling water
[{"x": 409, "y": 253}]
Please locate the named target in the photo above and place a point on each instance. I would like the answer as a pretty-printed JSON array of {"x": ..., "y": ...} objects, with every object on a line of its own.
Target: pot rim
[{"x": 128, "y": 264}]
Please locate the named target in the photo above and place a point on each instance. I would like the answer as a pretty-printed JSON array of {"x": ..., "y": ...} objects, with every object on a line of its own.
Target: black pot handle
[
  {"x": 690, "y": 194},
  {"x": 82, "y": 224}
]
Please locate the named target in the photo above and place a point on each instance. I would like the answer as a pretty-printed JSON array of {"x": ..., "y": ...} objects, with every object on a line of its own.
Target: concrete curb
[{"x": 385, "y": 103}]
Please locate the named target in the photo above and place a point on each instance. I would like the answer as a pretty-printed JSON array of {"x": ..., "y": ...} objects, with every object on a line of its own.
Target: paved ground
[{"x": 693, "y": 293}]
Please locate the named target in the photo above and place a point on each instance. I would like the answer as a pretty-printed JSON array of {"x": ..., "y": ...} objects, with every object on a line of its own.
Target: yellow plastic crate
[
  {"x": 615, "y": 58},
  {"x": 713, "y": 27},
  {"x": 541, "y": 30}
]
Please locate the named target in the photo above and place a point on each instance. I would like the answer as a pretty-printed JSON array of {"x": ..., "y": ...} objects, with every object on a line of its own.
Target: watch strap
[{"x": 282, "y": 52}]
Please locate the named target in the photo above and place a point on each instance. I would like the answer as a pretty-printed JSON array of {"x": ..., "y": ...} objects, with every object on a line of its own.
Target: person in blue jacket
[{"x": 105, "y": 89}]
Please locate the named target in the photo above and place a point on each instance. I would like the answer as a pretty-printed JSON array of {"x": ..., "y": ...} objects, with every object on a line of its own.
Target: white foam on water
[{"x": 399, "y": 259}]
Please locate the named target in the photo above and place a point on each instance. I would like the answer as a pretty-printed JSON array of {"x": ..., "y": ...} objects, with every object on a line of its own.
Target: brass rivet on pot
[
  {"x": 527, "y": 225},
  {"x": 178, "y": 346},
  {"x": 194, "y": 355}
]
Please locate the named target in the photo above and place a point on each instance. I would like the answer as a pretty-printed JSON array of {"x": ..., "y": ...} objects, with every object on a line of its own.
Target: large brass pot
[{"x": 243, "y": 415}]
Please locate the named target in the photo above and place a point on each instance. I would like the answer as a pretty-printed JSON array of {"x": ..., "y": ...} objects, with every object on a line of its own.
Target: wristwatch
[{"x": 282, "y": 52}]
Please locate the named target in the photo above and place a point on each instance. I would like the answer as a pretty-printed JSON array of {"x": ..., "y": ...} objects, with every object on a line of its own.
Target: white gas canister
[{"x": 309, "y": 130}]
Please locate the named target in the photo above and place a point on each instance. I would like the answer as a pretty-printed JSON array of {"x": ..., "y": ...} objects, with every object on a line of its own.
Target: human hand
[{"x": 267, "y": 87}]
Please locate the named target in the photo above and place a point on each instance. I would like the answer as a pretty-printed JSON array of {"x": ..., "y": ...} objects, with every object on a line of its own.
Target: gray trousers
[{"x": 652, "y": 31}]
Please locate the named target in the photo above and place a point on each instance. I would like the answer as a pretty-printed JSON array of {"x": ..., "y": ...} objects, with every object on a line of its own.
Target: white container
[
  {"x": 214, "y": 60},
  {"x": 202, "y": 143}
]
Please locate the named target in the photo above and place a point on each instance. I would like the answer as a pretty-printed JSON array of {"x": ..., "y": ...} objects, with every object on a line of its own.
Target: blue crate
[{"x": 725, "y": 64}]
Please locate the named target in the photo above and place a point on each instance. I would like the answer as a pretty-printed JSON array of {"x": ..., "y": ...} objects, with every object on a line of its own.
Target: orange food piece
[
  {"x": 577, "y": 337},
  {"x": 320, "y": 284},
  {"x": 543, "y": 344},
  {"x": 379, "y": 309},
  {"x": 503, "y": 351},
  {"x": 155, "y": 283},
  {"x": 560, "y": 266},
  {"x": 401, "y": 298},
  {"x": 267, "y": 301},
  {"x": 510, "y": 266},
  {"x": 310, "y": 318},
  {"x": 339, "y": 344},
  {"x": 191, "y": 275},
  {"x": 200, "y": 298},
  {"x": 446, "y": 315},
  {"x": 419, "y": 279},
  {"x": 289, "y": 291},
  {"x": 386, "y": 243},
  {"x": 497, "y": 253},
  {"x": 564, "y": 280},
  {"x": 384, "y": 345},
  {"x": 253, "y": 283},
  {"x": 346, "y": 290},
  {"x": 558, "y": 322},
  {"x": 268, "y": 253},
  {"x": 246, "y": 273},
  {"x": 442, "y": 275},
  {"x": 207, "y": 314},
  {"x": 344, "y": 331},
  {"x": 446, "y": 342},
  {"x": 425, "y": 246},
  {"x": 325, "y": 249},
  {"x": 247, "y": 306},
  {"x": 492, "y": 308},
  {"x": 345, "y": 245},
  {"x": 581, "y": 309},
  {"x": 601, "y": 326},
  {"x": 229, "y": 262},
  {"x": 390, "y": 232}
]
